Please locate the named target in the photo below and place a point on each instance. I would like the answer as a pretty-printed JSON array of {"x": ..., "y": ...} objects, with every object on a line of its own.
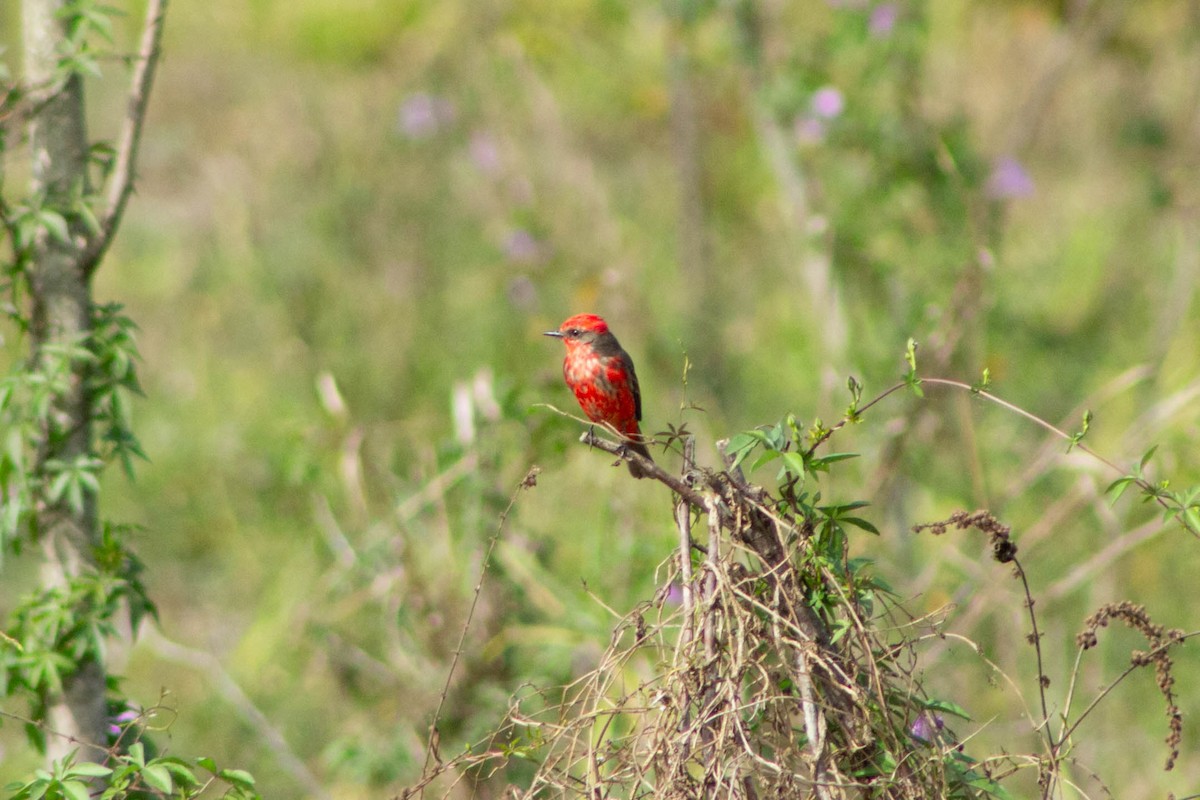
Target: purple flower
[
  {"x": 808, "y": 130},
  {"x": 1008, "y": 180},
  {"x": 827, "y": 102},
  {"x": 926, "y": 726},
  {"x": 485, "y": 155},
  {"x": 521, "y": 247},
  {"x": 422, "y": 114},
  {"x": 883, "y": 19},
  {"x": 117, "y": 723}
]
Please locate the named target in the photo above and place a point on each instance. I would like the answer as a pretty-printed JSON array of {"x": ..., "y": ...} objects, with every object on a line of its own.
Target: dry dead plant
[{"x": 760, "y": 669}]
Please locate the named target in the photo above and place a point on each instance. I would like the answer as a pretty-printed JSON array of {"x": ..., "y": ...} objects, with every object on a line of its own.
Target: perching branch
[{"x": 650, "y": 468}]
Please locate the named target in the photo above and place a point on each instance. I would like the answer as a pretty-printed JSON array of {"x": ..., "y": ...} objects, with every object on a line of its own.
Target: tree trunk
[{"x": 61, "y": 319}]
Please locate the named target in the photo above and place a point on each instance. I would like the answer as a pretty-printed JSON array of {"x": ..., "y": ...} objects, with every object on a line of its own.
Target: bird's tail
[{"x": 634, "y": 469}]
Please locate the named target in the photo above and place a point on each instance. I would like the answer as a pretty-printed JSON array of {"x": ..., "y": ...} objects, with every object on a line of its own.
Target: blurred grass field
[{"x": 346, "y": 211}]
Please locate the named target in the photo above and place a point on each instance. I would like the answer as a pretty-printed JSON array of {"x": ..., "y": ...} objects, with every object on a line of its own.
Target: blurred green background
[{"x": 354, "y": 218}]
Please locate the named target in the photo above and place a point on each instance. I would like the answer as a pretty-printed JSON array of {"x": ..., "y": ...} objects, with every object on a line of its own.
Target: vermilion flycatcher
[{"x": 601, "y": 375}]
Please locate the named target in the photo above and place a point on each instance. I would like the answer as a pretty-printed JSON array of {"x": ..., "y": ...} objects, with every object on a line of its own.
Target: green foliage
[
  {"x": 72, "y": 383},
  {"x": 132, "y": 775}
]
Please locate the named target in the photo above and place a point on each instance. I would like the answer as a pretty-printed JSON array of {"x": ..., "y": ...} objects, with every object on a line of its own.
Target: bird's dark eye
[{"x": 573, "y": 332}]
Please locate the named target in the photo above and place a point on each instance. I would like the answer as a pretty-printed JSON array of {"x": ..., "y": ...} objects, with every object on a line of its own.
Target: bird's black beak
[{"x": 555, "y": 334}]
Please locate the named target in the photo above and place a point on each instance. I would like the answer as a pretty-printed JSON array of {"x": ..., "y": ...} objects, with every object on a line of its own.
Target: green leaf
[
  {"x": 858, "y": 522},
  {"x": 1118, "y": 487},
  {"x": 55, "y": 224},
  {"x": 207, "y": 763},
  {"x": 157, "y": 777},
  {"x": 740, "y": 446},
  {"x": 984, "y": 384},
  {"x": 89, "y": 769},
  {"x": 180, "y": 771},
  {"x": 765, "y": 458},
  {"x": 74, "y": 790},
  {"x": 833, "y": 458},
  {"x": 840, "y": 628},
  {"x": 793, "y": 464},
  {"x": 836, "y": 509},
  {"x": 238, "y": 777},
  {"x": 988, "y": 785},
  {"x": 910, "y": 356},
  {"x": 948, "y": 707},
  {"x": 1146, "y": 458}
]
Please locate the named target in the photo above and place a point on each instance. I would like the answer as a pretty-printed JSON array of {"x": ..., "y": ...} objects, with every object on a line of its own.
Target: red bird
[{"x": 601, "y": 375}]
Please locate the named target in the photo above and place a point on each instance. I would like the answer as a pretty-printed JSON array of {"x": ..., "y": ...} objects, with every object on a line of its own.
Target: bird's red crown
[{"x": 585, "y": 322}]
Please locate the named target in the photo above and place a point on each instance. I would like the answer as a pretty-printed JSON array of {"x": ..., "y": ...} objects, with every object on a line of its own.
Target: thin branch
[
  {"x": 211, "y": 666},
  {"x": 649, "y": 468},
  {"x": 121, "y": 185},
  {"x": 683, "y": 521},
  {"x": 529, "y": 481}
]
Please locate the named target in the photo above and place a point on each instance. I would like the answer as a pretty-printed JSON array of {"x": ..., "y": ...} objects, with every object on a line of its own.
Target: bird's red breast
[{"x": 601, "y": 375}]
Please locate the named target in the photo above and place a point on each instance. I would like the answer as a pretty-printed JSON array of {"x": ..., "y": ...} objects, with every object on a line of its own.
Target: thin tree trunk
[{"x": 61, "y": 318}]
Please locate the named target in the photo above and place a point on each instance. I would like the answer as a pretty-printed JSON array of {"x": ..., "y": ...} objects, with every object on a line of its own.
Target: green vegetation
[{"x": 351, "y": 219}]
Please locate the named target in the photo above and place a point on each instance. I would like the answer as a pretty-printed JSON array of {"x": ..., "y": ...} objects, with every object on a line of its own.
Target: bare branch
[{"x": 121, "y": 182}]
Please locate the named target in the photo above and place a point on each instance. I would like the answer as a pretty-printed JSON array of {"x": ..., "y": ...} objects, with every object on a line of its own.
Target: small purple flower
[
  {"x": 675, "y": 594},
  {"x": 828, "y": 102},
  {"x": 485, "y": 155},
  {"x": 422, "y": 114},
  {"x": 521, "y": 247},
  {"x": 120, "y": 721},
  {"x": 1008, "y": 180},
  {"x": 883, "y": 19},
  {"x": 808, "y": 130},
  {"x": 926, "y": 726}
]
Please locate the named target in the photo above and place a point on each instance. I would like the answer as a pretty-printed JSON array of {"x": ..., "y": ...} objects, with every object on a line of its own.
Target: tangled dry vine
[{"x": 732, "y": 680}]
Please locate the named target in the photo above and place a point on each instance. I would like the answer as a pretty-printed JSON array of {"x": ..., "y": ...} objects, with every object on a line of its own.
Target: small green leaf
[
  {"x": 157, "y": 777},
  {"x": 793, "y": 464},
  {"x": 89, "y": 769},
  {"x": 180, "y": 770},
  {"x": 1118, "y": 487},
  {"x": 948, "y": 707},
  {"x": 988, "y": 785},
  {"x": 984, "y": 384},
  {"x": 765, "y": 458},
  {"x": 858, "y": 522},
  {"x": 238, "y": 777},
  {"x": 55, "y": 224},
  {"x": 74, "y": 790}
]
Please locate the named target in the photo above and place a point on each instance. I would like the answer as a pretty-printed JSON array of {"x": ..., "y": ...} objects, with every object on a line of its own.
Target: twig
[
  {"x": 683, "y": 521},
  {"x": 529, "y": 481},
  {"x": 437, "y": 486},
  {"x": 211, "y": 666},
  {"x": 121, "y": 185},
  {"x": 710, "y": 578},
  {"x": 651, "y": 469}
]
